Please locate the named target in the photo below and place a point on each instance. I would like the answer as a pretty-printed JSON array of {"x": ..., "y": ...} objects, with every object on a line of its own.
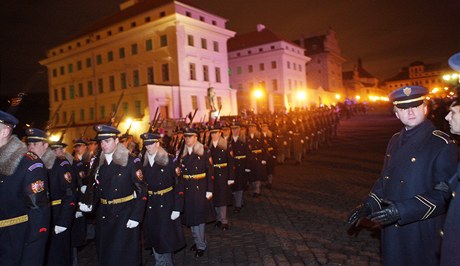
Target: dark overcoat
[
  {"x": 223, "y": 164},
  {"x": 255, "y": 157},
  {"x": 159, "y": 231},
  {"x": 78, "y": 233},
  {"x": 197, "y": 208},
  {"x": 240, "y": 151},
  {"x": 115, "y": 243},
  {"x": 415, "y": 161},
  {"x": 23, "y": 191}
]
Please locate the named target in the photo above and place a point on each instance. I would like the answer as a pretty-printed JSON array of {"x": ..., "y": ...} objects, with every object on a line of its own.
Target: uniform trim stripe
[
  {"x": 431, "y": 206},
  {"x": 376, "y": 198}
]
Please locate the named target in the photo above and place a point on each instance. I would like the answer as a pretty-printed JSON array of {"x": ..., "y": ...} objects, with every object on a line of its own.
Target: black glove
[
  {"x": 361, "y": 211},
  {"x": 386, "y": 216}
]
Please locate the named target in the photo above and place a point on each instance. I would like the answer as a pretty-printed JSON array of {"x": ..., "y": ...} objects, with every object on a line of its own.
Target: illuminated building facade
[{"x": 159, "y": 53}]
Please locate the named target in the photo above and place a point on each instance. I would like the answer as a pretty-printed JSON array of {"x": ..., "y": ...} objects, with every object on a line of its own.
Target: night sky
[{"x": 387, "y": 35}]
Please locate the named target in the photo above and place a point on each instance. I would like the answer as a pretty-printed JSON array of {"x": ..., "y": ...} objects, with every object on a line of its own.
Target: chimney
[{"x": 260, "y": 27}]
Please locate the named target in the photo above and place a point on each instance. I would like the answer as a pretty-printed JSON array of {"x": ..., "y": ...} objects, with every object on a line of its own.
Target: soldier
[
  {"x": 162, "y": 228},
  {"x": 24, "y": 215},
  {"x": 223, "y": 176},
  {"x": 240, "y": 151},
  {"x": 257, "y": 160},
  {"x": 197, "y": 178},
  {"x": 120, "y": 195},
  {"x": 272, "y": 149},
  {"x": 403, "y": 200}
]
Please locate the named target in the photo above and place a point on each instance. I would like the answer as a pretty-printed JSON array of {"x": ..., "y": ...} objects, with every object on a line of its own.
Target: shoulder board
[
  {"x": 444, "y": 136},
  {"x": 397, "y": 133},
  {"x": 31, "y": 155},
  {"x": 64, "y": 162},
  {"x": 137, "y": 160}
]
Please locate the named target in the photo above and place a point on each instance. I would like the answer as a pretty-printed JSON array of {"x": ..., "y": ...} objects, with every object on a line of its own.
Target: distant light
[
  {"x": 258, "y": 94},
  {"x": 337, "y": 96},
  {"x": 451, "y": 93},
  {"x": 435, "y": 90},
  {"x": 358, "y": 97},
  {"x": 454, "y": 76},
  {"x": 301, "y": 95},
  {"x": 129, "y": 121},
  {"x": 446, "y": 77},
  {"x": 54, "y": 137},
  {"x": 446, "y": 88}
]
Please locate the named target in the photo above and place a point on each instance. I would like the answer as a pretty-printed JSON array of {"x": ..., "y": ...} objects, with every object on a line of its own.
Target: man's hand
[
  {"x": 175, "y": 215},
  {"x": 361, "y": 211},
  {"x": 247, "y": 170},
  {"x": 263, "y": 162},
  {"x": 59, "y": 229},
  {"x": 132, "y": 224},
  {"x": 85, "y": 208},
  {"x": 78, "y": 214},
  {"x": 386, "y": 216},
  {"x": 83, "y": 189},
  {"x": 208, "y": 195}
]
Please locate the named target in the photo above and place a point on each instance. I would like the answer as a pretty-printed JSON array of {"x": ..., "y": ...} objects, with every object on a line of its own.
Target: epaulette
[
  {"x": 396, "y": 133},
  {"x": 444, "y": 136},
  {"x": 31, "y": 155}
]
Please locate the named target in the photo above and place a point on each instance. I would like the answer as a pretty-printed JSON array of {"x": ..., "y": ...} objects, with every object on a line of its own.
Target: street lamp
[{"x": 258, "y": 93}]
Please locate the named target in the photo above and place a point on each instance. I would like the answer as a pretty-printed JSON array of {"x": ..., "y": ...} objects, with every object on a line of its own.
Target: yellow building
[{"x": 158, "y": 53}]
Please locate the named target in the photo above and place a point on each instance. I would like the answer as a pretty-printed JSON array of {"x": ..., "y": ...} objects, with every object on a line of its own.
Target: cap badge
[{"x": 407, "y": 91}]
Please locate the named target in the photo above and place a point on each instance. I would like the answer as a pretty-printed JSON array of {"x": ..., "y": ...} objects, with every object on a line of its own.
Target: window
[
  {"x": 109, "y": 33},
  {"x": 163, "y": 40},
  {"x": 261, "y": 49},
  {"x": 56, "y": 96},
  {"x": 125, "y": 107},
  {"x": 62, "y": 70},
  {"x": 63, "y": 97},
  {"x": 294, "y": 65},
  {"x": 88, "y": 62},
  {"x": 250, "y": 69},
  {"x": 147, "y": 19},
  {"x": 80, "y": 89},
  {"x": 188, "y": 14},
  {"x": 214, "y": 23},
  {"x": 102, "y": 112},
  {"x": 133, "y": 24},
  {"x": 273, "y": 64},
  {"x": 289, "y": 65},
  {"x": 120, "y": 29},
  {"x": 201, "y": 18},
  {"x": 300, "y": 67},
  {"x": 100, "y": 85},
  {"x": 121, "y": 52},
  {"x": 109, "y": 56},
  {"x": 215, "y": 46},
  {"x": 192, "y": 71},
  {"x": 98, "y": 59},
  {"x": 134, "y": 49},
  {"x": 194, "y": 102},
  {"x": 70, "y": 68},
  {"x": 90, "y": 88},
  {"x": 64, "y": 117},
  {"x": 261, "y": 66},
  {"x": 112, "y": 83},
  {"x": 205, "y": 73},
  {"x": 79, "y": 65},
  {"x": 162, "y": 14},
  {"x": 123, "y": 80},
  {"x": 137, "y": 108},
  {"x": 165, "y": 72},
  {"x": 91, "y": 113},
  {"x": 238, "y": 70},
  {"x": 190, "y": 40},
  {"x": 204, "y": 43},
  {"x": 218, "y": 74},
  {"x": 54, "y": 72},
  {"x": 150, "y": 75},
  {"x": 72, "y": 92},
  {"x": 82, "y": 114},
  {"x": 149, "y": 45},
  {"x": 136, "y": 78}
]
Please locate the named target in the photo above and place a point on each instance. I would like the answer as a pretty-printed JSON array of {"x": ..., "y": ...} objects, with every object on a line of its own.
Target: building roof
[
  {"x": 404, "y": 72},
  {"x": 313, "y": 45},
  {"x": 251, "y": 39}
]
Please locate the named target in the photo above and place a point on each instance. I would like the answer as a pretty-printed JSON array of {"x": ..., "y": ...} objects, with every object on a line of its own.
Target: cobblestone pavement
[{"x": 301, "y": 220}]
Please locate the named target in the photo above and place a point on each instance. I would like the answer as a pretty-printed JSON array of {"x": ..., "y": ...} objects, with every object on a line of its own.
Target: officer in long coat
[
  {"x": 222, "y": 159},
  {"x": 272, "y": 150},
  {"x": 197, "y": 178},
  {"x": 120, "y": 195},
  {"x": 257, "y": 159},
  {"x": 24, "y": 212},
  {"x": 404, "y": 200},
  {"x": 240, "y": 151},
  {"x": 162, "y": 228}
]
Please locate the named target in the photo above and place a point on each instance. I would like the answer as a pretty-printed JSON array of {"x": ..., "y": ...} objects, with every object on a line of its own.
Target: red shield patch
[
  {"x": 139, "y": 174},
  {"x": 37, "y": 186},
  {"x": 68, "y": 177}
]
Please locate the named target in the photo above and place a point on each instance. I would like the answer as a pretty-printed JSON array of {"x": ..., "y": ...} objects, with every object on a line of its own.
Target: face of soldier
[
  {"x": 215, "y": 136},
  {"x": 236, "y": 131},
  {"x": 252, "y": 130},
  {"x": 80, "y": 149},
  {"x": 412, "y": 116},
  {"x": 152, "y": 148},
  {"x": 226, "y": 132},
  {"x": 190, "y": 140},
  {"x": 59, "y": 152},
  {"x": 108, "y": 145},
  {"x": 38, "y": 148},
  {"x": 453, "y": 117},
  {"x": 92, "y": 147}
]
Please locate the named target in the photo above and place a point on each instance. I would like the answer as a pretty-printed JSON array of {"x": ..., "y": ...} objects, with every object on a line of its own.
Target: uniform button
[
  {"x": 186, "y": 188},
  {"x": 388, "y": 155},
  {"x": 396, "y": 225},
  {"x": 413, "y": 160},
  {"x": 103, "y": 217},
  {"x": 199, "y": 157},
  {"x": 119, "y": 174},
  {"x": 197, "y": 187},
  {"x": 441, "y": 233},
  {"x": 161, "y": 206},
  {"x": 162, "y": 170},
  {"x": 453, "y": 194},
  {"x": 116, "y": 189},
  {"x": 387, "y": 177},
  {"x": 402, "y": 181},
  {"x": 150, "y": 207},
  {"x": 196, "y": 168}
]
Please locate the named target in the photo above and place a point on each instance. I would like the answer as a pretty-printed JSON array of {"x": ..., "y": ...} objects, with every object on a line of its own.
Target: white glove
[
  {"x": 263, "y": 162},
  {"x": 230, "y": 182},
  {"x": 78, "y": 214},
  {"x": 247, "y": 170},
  {"x": 208, "y": 195},
  {"x": 132, "y": 224},
  {"x": 175, "y": 215},
  {"x": 83, "y": 189},
  {"x": 85, "y": 208},
  {"x": 274, "y": 156},
  {"x": 59, "y": 229}
]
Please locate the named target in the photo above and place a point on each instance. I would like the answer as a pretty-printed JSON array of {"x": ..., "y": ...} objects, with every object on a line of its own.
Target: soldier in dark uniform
[
  {"x": 62, "y": 196},
  {"x": 257, "y": 159},
  {"x": 120, "y": 195},
  {"x": 24, "y": 215},
  {"x": 404, "y": 200},
  {"x": 272, "y": 150},
  {"x": 162, "y": 229},
  {"x": 197, "y": 178},
  {"x": 240, "y": 151},
  {"x": 451, "y": 232},
  {"x": 223, "y": 176}
]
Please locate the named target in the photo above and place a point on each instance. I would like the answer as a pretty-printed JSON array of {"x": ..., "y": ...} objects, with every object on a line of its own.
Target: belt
[
  {"x": 197, "y": 176},
  {"x": 220, "y": 165},
  {"x": 118, "y": 201},
  {"x": 12, "y": 221},
  {"x": 240, "y": 157},
  {"x": 257, "y": 151},
  {"x": 161, "y": 192},
  {"x": 56, "y": 202}
]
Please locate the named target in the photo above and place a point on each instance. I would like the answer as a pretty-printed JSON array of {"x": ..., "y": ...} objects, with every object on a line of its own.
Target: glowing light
[
  {"x": 358, "y": 97},
  {"x": 454, "y": 76},
  {"x": 129, "y": 121},
  {"x": 446, "y": 88},
  {"x": 54, "y": 137},
  {"x": 451, "y": 93},
  {"x": 337, "y": 96},
  {"x": 435, "y": 90},
  {"x": 446, "y": 77},
  {"x": 258, "y": 94},
  {"x": 301, "y": 95}
]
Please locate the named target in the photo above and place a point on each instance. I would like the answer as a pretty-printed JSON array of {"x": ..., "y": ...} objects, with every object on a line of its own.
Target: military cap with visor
[
  {"x": 105, "y": 132},
  {"x": 150, "y": 138},
  {"x": 8, "y": 119},
  {"x": 408, "y": 96}
]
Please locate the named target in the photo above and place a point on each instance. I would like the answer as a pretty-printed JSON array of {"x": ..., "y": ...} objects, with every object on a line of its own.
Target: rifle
[
  {"x": 182, "y": 143},
  {"x": 214, "y": 122},
  {"x": 93, "y": 169},
  {"x": 71, "y": 120},
  {"x": 53, "y": 117}
]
